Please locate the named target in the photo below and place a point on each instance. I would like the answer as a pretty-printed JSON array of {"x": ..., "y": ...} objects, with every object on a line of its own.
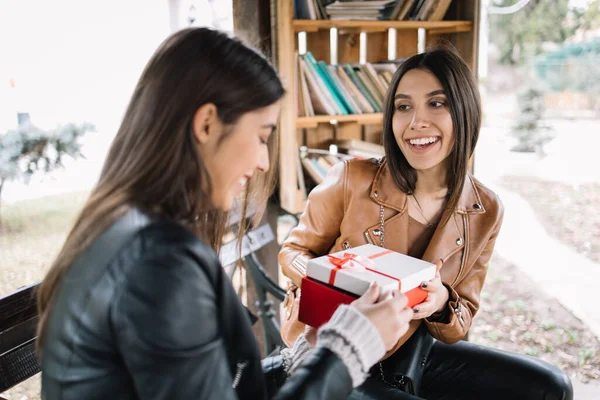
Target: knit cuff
[
  {"x": 353, "y": 338},
  {"x": 292, "y": 358}
]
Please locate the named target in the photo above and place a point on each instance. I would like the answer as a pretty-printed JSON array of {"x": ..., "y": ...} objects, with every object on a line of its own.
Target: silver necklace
[{"x": 429, "y": 224}]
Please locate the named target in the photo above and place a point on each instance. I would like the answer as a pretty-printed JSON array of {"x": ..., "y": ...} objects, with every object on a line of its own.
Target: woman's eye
[
  {"x": 402, "y": 107},
  {"x": 437, "y": 104}
]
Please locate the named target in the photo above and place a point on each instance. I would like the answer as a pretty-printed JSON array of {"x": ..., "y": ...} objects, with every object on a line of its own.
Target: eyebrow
[
  {"x": 405, "y": 96},
  {"x": 271, "y": 127}
]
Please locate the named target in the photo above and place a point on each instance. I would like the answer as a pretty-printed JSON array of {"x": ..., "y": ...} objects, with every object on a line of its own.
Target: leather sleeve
[
  {"x": 167, "y": 331},
  {"x": 322, "y": 375},
  {"x": 319, "y": 225},
  {"x": 166, "y": 324},
  {"x": 464, "y": 297}
]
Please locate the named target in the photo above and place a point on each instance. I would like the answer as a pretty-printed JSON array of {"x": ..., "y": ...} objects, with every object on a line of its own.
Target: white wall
[
  {"x": 73, "y": 61},
  {"x": 79, "y": 60},
  {"x": 212, "y": 13}
]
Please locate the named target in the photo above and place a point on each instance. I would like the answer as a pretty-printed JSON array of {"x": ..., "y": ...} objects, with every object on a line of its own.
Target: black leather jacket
[{"x": 147, "y": 312}]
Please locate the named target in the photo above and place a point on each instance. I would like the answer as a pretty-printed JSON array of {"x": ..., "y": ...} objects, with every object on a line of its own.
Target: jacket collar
[{"x": 385, "y": 192}]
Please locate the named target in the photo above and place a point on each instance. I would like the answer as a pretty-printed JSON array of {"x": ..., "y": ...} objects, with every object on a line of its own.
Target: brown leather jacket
[{"x": 344, "y": 212}]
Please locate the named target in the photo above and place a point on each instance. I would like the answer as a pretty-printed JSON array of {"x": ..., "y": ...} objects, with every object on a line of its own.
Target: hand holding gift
[
  {"x": 389, "y": 314},
  {"x": 437, "y": 296},
  {"x": 339, "y": 278}
]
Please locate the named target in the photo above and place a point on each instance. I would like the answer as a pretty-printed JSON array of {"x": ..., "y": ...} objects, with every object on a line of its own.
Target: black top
[{"x": 147, "y": 312}]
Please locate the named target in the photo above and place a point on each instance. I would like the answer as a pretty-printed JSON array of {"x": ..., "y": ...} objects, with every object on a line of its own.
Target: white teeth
[{"x": 422, "y": 141}]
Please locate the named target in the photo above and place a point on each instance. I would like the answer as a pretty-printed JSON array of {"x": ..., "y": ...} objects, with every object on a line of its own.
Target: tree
[
  {"x": 588, "y": 18},
  {"x": 30, "y": 149},
  {"x": 531, "y": 133},
  {"x": 521, "y": 35}
]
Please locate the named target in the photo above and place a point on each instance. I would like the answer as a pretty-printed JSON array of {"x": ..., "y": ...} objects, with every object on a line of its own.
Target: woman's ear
[{"x": 204, "y": 123}]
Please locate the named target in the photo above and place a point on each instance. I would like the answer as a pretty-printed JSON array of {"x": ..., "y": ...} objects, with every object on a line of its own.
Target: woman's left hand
[{"x": 437, "y": 298}]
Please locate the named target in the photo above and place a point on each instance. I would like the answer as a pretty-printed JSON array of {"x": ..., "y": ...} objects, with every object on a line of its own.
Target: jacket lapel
[
  {"x": 386, "y": 193},
  {"x": 454, "y": 235},
  {"x": 447, "y": 239}
]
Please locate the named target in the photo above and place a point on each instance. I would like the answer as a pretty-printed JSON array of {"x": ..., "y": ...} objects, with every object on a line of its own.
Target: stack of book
[
  {"x": 420, "y": 10},
  {"x": 400, "y": 10},
  {"x": 317, "y": 163},
  {"x": 341, "y": 89},
  {"x": 360, "y": 10}
]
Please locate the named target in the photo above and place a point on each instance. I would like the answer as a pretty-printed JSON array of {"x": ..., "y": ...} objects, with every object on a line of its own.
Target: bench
[
  {"x": 19, "y": 317},
  {"x": 18, "y": 324}
]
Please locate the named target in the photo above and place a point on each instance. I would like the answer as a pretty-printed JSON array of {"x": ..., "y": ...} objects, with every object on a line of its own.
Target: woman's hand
[
  {"x": 437, "y": 299},
  {"x": 388, "y": 313}
]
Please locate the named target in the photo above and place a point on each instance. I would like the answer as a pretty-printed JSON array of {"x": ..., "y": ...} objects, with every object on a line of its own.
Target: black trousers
[{"x": 467, "y": 371}]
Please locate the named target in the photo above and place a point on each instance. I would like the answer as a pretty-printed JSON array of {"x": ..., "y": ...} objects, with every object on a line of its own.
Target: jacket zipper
[
  {"x": 458, "y": 308},
  {"x": 238, "y": 374},
  {"x": 464, "y": 254}
]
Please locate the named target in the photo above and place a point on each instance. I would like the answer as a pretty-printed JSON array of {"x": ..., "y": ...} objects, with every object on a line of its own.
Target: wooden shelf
[
  {"x": 361, "y": 119},
  {"x": 460, "y": 30},
  {"x": 434, "y": 27}
]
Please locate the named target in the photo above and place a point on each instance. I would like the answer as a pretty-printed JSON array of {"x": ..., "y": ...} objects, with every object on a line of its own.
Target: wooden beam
[{"x": 252, "y": 21}]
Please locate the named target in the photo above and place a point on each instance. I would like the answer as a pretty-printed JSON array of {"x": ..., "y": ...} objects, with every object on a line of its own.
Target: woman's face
[
  {"x": 422, "y": 123},
  {"x": 232, "y": 160}
]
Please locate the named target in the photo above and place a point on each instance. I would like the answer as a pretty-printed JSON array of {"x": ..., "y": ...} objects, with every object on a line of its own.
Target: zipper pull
[{"x": 458, "y": 311}]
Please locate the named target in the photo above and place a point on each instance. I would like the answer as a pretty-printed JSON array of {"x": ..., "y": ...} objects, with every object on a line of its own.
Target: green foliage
[
  {"x": 521, "y": 35},
  {"x": 530, "y": 131},
  {"x": 588, "y": 18},
  {"x": 571, "y": 335},
  {"x": 30, "y": 149},
  {"x": 573, "y": 67},
  {"x": 531, "y": 351},
  {"x": 585, "y": 354}
]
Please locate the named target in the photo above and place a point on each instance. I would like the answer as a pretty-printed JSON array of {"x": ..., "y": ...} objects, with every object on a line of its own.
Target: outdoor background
[{"x": 71, "y": 62}]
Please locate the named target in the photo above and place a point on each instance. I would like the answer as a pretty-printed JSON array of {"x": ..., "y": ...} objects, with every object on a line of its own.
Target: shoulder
[
  {"x": 361, "y": 172},
  {"x": 163, "y": 238},
  {"x": 349, "y": 175},
  {"x": 172, "y": 252},
  {"x": 362, "y": 168},
  {"x": 490, "y": 201},
  {"x": 172, "y": 280}
]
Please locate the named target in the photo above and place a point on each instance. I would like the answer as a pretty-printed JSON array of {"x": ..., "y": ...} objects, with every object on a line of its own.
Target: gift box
[
  {"x": 341, "y": 277},
  {"x": 319, "y": 301}
]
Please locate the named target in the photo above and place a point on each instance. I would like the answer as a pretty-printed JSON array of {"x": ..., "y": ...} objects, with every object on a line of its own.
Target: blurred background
[{"x": 68, "y": 68}]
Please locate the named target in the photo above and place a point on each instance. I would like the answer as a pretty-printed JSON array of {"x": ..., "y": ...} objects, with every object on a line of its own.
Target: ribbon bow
[
  {"x": 358, "y": 263},
  {"x": 351, "y": 261}
]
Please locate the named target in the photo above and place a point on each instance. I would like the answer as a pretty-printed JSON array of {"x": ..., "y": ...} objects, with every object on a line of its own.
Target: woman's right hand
[{"x": 389, "y": 313}]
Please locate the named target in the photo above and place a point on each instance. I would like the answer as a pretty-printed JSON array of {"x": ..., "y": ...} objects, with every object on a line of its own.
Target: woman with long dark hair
[{"x": 136, "y": 305}]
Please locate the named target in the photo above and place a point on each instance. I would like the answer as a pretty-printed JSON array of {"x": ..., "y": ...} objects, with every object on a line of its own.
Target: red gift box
[{"x": 318, "y": 301}]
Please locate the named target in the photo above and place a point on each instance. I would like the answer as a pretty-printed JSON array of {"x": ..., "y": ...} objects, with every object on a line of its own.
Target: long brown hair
[
  {"x": 465, "y": 108},
  {"x": 154, "y": 163}
]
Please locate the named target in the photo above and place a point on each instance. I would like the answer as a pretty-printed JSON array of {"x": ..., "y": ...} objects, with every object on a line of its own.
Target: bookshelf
[{"x": 339, "y": 42}]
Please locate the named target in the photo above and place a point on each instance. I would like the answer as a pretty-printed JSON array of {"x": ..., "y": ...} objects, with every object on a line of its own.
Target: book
[{"x": 341, "y": 89}]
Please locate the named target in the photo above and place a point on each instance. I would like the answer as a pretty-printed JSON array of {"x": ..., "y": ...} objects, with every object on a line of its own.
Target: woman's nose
[
  {"x": 420, "y": 119},
  {"x": 263, "y": 161}
]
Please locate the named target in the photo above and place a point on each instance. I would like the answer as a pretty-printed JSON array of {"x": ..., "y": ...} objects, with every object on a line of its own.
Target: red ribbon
[{"x": 342, "y": 263}]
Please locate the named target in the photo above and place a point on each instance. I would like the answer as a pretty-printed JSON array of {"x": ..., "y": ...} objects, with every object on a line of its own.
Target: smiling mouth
[{"x": 423, "y": 143}]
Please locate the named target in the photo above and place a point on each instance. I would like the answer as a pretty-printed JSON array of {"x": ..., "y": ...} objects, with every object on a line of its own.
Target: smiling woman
[{"x": 421, "y": 200}]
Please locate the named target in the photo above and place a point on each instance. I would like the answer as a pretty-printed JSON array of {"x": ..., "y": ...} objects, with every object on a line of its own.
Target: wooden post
[{"x": 252, "y": 20}]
